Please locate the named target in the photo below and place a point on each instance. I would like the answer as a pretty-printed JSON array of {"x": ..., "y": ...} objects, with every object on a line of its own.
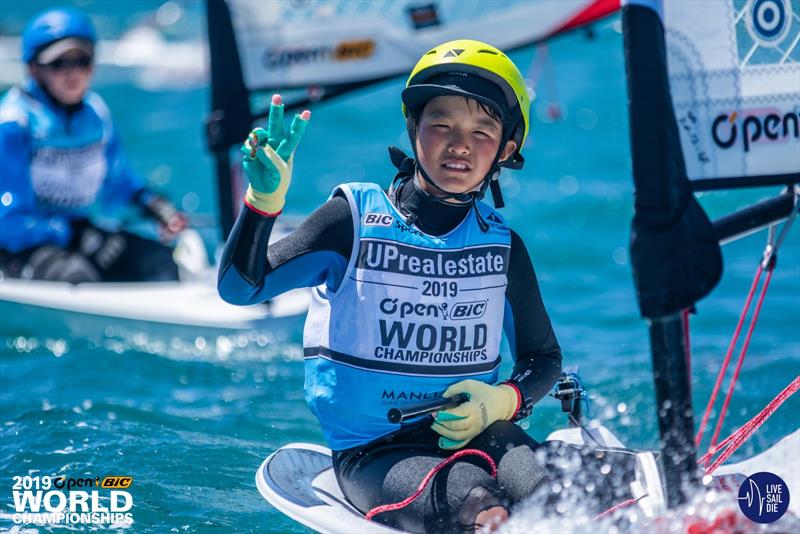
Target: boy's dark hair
[{"x": 415, "y": 114}]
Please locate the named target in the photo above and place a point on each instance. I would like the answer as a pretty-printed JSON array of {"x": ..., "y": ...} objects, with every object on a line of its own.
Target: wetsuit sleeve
[
  {"x": 22, "y": 225},
  {"x": 318, "y": 251},
  {"x": 529, "y": 332}
]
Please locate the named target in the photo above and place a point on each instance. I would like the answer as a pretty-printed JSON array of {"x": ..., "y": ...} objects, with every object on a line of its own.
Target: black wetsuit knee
[{"x": 395, "y": 466}]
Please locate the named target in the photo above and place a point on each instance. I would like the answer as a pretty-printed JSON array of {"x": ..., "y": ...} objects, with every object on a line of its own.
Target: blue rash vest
[
  {"x": 56, "y": 166},
  {"x": 414, "y": 314}
]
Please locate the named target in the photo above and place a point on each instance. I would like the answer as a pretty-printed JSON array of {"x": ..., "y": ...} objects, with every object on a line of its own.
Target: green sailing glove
[
  {"x": 267, "y": 159},
  {"x": 487, "y": 404}
]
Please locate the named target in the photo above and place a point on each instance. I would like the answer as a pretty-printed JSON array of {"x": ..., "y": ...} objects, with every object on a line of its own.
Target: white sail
[
  {"x": 323, "y": 42},
  {"x": 734, "y": 73}
]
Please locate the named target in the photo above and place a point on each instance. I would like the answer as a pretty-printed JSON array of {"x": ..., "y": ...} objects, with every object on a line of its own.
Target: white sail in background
[
  {"x": 301, "y": 43},
  {"x": 734, "y": 73}
]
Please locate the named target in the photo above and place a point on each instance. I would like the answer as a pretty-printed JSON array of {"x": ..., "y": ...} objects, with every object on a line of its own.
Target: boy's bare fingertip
[
  {"x": 305, "y": 115},
  {"x": 277, "y": 99}
]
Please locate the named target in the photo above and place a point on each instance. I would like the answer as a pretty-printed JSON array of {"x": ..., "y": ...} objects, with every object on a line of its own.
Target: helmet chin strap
[{"x": 469, "y": 197}]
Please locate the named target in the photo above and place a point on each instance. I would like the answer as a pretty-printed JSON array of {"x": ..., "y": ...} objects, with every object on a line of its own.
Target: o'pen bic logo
[{"x": 763, "y": 497}]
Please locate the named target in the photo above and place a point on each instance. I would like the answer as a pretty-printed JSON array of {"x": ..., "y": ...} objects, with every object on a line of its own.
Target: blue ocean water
[{"x": 191, "y": 419}]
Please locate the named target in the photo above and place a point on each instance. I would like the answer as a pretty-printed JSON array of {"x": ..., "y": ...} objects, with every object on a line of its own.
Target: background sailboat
[{"x": 713, "y": 104}]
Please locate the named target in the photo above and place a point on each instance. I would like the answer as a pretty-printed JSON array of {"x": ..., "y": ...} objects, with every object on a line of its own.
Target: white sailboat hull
[{"x": 85, "y": 309}]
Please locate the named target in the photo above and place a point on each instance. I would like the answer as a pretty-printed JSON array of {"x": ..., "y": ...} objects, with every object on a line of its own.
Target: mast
[
  {"x": 675, "y": 253},
  {"x": 229, "y": 120}
]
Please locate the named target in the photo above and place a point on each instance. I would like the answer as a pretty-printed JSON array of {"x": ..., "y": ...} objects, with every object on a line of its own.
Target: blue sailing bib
[{"x": 414, "y": 314}]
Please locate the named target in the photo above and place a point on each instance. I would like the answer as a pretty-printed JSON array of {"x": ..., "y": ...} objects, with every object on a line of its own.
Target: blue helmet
[{"x": 53, "y": 25}]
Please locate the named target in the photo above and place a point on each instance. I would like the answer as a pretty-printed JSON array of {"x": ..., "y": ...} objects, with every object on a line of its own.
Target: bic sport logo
[
  {"x": 378, "y": 219},
  {"x": 764, "y": 497},
  {"x": 767, "y": 32}
]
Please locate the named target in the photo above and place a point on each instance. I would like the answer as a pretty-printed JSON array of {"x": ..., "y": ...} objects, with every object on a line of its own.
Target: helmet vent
[{"x": 487, "y": 52}]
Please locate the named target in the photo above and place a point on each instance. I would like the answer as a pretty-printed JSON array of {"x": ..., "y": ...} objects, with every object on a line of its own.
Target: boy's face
[
  {"x": 456, "y": 144},
  {"x": 68, "y": 77}
]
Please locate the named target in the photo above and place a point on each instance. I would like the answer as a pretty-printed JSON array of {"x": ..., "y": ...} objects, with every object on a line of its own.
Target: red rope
[
  {"x": 623, "y": 504},
  {"x": 447, "y": 461},
  {"x": 728, "y": 355},
  {"x": 742, "y": 354},
  {"x": 735, "y": 440}
]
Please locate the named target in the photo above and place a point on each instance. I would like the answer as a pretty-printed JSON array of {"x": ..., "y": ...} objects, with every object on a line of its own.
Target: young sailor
[
  {"x": 62, "y": 161},
  {"x": 412, "y": 291}
]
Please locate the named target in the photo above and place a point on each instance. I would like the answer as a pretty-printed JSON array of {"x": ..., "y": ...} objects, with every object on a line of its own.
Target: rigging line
[
  {"x": 743, "y": 434},
  {"x": 728, "y": 354},
  {"x": 586, "y": 431},
  {"x": 789, "y": 220},
  {"x": 618, "y": 506},
  {"x": 769, "y": 254},
  {"x": 742, "y": 354}
]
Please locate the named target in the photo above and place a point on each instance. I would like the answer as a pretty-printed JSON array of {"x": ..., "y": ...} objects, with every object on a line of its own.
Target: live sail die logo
[
  {"x": 71, "y": 501},
  {"x": 763, "y": 497}
]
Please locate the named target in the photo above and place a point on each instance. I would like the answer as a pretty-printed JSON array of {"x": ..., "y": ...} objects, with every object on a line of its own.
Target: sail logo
[
  {"x": 766, "y": 33},
  {"x": 283, "y": 58},
  {"x": 355, "y": 49},
  {"x": 763, "y": 497},
  {"x": 751, "y": 127}
]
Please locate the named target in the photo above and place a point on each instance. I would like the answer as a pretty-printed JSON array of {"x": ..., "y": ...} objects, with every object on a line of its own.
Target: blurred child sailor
[{"x": 62, "y": 162}]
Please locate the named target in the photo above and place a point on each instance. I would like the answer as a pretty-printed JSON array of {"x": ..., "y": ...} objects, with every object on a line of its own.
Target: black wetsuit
[{"x": 390, "y": 468}]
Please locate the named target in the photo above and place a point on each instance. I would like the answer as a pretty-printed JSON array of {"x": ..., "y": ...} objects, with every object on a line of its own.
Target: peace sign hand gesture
[{"x": 268, "y": 156}]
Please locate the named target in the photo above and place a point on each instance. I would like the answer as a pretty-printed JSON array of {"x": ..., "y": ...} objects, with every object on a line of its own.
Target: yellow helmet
[{"x": 476, "y": 70}]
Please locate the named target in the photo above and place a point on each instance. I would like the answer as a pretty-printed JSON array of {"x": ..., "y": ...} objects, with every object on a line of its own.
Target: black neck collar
[{"x": 429, "y": 214}]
